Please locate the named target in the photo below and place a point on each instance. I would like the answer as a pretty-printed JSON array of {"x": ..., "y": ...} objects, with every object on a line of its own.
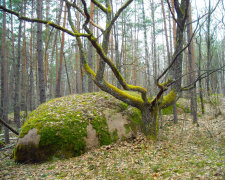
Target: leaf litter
[{"x": 183, "y": 151}]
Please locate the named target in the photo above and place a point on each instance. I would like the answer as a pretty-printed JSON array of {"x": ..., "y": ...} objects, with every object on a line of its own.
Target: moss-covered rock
[{"x": 68, "y": 126}]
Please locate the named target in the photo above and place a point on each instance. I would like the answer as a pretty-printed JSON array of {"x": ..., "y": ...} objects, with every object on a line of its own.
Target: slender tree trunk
[
  {"x": 17, "y": 76},
  {"x": 146, "y": 49},
  {"x": 4, "y": 78},
  {"x": 40, "y": 53},
  {"x": 199, "y": 73},
  {"x": 58, "y": 83},
  {"x": 170, "y": 32},
  {"x": 90, "y": 49},
  {"x": 174, "y": 40},
  {"x": 223, "y": 64},
  {"x": 31, "y": 85},
  {"x": 155, "y": 69},
  {"x": 12, "y": 84},
  {"x": 67, "y": 75},
  {"x": 55, "y": 49},
  {"x": 174, "y": 23},
  {"x": 166, "y": 35},
  {"x": 117, "y": 58},
  {"x": 112, "y": 54},
  {"x": 23, "y": 84},
  {"x": 46, "y": 44},
  {"x": 191, "y": 66},
  {"x": 208, "y": 40}
]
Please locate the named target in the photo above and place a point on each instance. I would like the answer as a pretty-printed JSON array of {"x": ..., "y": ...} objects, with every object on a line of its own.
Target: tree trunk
[
  {"x": 166, "y": 35},
  {"x": 12, "y": 83},
  {"x": 174, "y": 24},
  {"x": 23, "y": 84},
  {"x": 4, "y": 77},
  {"x": 58, "y": 83},
  {"x": 17, "y": 76},
  {"x": 46, "y": 44},
  {"x": 90, "y": 49},
  {"x": 150, "y": 122},
  {"x": 208, "y": 41},
  {"x": 155, "y": 69},
  {"x": 55, "y": 50},
  {"x": 40, "y": 54},
  {"x": 146, "y": 49},
  {"x": 199, "y": 73},
  {"x": 117, "y": 58},
  {"x": 31, "y": 84},
  {"x": 191, "y": 66},
  {"x": 176, "y": 69}
]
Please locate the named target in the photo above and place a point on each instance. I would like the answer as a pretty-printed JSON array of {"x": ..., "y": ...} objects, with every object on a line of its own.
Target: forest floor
[{"x": 183, "y": 151}]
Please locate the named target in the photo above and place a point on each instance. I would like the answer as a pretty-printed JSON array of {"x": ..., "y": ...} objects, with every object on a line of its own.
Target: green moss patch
[
  {"x": 100, "y": 125},
  {"x": 62, "y": 124},
  {"x": 135, "y": 118}
]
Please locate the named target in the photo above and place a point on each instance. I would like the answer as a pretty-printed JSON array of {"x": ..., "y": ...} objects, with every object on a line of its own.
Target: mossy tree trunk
[{"x": 150, "y": 121}]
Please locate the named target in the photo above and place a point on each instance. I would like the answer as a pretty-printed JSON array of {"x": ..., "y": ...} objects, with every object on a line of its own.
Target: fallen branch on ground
[{"x": 10, "y": 128}]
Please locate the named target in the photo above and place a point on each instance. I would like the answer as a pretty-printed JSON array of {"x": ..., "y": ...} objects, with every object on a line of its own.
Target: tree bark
[
  {"x": 31, "y": 84},
  {"x": 199, "y": 73},
  {"x": 166, "y": 35},
  {"x": 90, "y": 49},
  {"x": 150, "y": 121},
  {"x": 176, "y": 69},
  {"x": 208, "y": 41},
  {"x": 155, "y": 66},
  {"x": 58, "y": 83},
  {"x": 17, "y": 76},
  {"x": 55, "y": 49},
  {"x": 191, "y": 66},
  {"x": 146, "y": 49},
  {"x": 46, "y": 44},
  {"x": 4, "y": 77},
  {"x": 40, "y": 54},
  {"x": 23, "y": 84}
]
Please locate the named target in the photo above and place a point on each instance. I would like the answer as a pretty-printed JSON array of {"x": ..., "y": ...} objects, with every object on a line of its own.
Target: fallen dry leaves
[{"x": 183, "y": 151}]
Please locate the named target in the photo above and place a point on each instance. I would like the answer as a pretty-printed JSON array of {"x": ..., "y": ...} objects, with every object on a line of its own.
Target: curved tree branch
[
  {"x": 80, "y": 10},
  {"x": 104, "y": 9}
]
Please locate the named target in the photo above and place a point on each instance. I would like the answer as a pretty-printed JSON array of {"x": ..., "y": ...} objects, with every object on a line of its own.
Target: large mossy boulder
[{"x": 68, "y": 126}]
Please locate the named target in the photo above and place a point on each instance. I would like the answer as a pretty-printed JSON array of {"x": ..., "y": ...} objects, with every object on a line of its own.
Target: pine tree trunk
[
  {"x": 90, "y": 49},
  {"x": 46, "y": 44},
  {"x": 55, "y": 50},
  {"x": 146, "y": 49},
  {"x": 4, "y": 77},
  {"x": 12, "y": 83},
  {"x": 58, "y": 83},
  {"x": 208, "y": 40},
  {"x": 40, "y": 54},
  {"x": 23, "y": 84},
  {"x": 17, "y": 76},
  {"x": 166, "y": 35},
  {"x": 191, "y": 66},
  {"x": 31, "y": 84},
  {"x": 199, "y": 73}
]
